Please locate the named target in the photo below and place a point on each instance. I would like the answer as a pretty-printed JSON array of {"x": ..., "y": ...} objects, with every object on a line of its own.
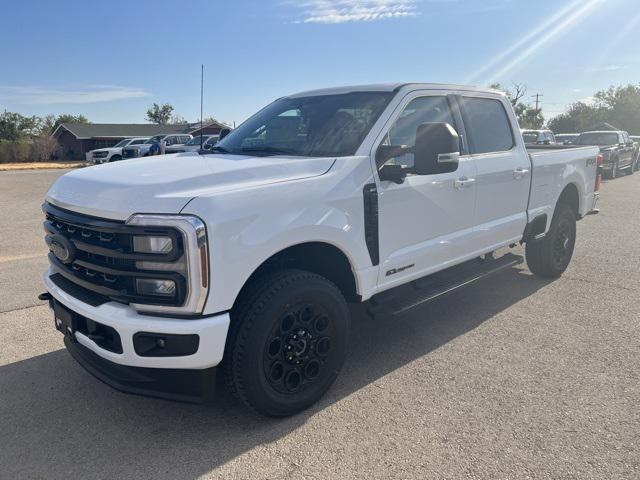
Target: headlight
[
  {"x": 156, "y": 287},
  {"x": 152, "y": 244},
  {"x": 193, "y": 264}
]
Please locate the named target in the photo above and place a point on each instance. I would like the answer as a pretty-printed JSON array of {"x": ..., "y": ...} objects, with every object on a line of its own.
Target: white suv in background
[{"x": 113, "y": 154}]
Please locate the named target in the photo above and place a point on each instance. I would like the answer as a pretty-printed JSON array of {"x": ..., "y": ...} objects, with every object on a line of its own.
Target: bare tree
[{"x": 519, "y": 91}]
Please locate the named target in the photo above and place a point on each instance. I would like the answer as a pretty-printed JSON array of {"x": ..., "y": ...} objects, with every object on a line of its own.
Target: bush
[{"x": 36, "y": 149}]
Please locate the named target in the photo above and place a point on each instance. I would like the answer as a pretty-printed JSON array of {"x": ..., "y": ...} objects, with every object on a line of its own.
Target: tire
[
  {"x": 287, "y": 342},
  {"x": 115, "y": 158},
  {"x": 613, "y": 173},
  {"x": 550, "y": 256}
]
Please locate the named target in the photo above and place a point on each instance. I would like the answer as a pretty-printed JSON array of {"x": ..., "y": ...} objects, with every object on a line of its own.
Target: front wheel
[
  {"x": 115, "y": 158},
  {"x": 550, "y": 256},
  {"x": 613, "y": 173},
  {"x": 287, "y": 343}
]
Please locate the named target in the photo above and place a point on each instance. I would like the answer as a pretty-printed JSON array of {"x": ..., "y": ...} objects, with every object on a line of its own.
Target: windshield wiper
[
  {"x": 218, "y": 149},
  {"x": 270, "y": 150}
]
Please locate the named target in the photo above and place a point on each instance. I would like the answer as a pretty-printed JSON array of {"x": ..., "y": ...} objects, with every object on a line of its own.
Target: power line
[{"x": 537, "y": 97}]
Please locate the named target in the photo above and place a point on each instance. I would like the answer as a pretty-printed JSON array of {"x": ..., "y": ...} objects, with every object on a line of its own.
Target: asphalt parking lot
[{"x": 511, "y": 378}]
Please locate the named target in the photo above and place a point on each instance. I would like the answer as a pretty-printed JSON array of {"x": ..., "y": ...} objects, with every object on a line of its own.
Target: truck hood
[{"x": 166, "y": 183}]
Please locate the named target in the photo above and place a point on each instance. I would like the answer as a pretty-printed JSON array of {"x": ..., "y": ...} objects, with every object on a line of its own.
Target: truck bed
[{"x": 556, "y": 165}]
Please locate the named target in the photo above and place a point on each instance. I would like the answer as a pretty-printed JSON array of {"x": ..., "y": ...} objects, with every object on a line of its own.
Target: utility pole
[
  {"x": 537, "y": 97},
  {"x": 201, "y": 100}
]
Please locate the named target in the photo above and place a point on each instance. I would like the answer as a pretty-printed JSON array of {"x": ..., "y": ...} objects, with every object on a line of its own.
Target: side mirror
[
  {"x": 224, "y": 132},
  {"x": 393, "y": 173},
  {"x": 437, "y": 149},
  {"x": 387, "y": 152}
]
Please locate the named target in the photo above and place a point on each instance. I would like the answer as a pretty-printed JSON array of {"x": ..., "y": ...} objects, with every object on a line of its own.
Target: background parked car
[
  {"x": 113, "y": 154},
  {"x": 618, "y": 150},
  {"x": 193, "y": 145},
  {"x": 538, "y": 137},
  {"x": 567, "y": 138},
  {"x": 143, "y": 150},
  {"x": 636, "y": 143}
]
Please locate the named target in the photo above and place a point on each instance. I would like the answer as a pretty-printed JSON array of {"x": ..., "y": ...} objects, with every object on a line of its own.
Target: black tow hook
[{"x": 45, "y": 297}]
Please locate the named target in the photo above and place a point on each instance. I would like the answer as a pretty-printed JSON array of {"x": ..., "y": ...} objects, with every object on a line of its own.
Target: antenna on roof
[{"x": 201, "y": 99}]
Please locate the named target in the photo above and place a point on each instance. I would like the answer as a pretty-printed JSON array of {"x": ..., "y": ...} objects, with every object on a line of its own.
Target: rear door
[
  {"x": 426, "y": 222},
  {"x": 503, "y": 170}
]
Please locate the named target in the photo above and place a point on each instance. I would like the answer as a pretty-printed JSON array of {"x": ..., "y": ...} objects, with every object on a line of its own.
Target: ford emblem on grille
[{"x": 62, "y": 248}]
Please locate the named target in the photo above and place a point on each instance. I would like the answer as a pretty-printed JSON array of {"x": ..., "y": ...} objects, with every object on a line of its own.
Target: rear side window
[{"x": 487, "y": 125}]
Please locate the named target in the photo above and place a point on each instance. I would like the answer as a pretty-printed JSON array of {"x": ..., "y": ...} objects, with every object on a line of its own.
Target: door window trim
[{"x": 454, "y": 108}]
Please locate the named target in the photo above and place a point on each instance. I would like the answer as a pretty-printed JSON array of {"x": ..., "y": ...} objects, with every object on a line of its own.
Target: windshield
[
  {"x": 139, "y": 141},
  {"x": 530, "y": 137},
  {"x": 598, "y": 138},
  {"x": 196, "y": 140},
  {"x": 315, "y": 126},
  {"x": 156, "y": 139},
  {"x": 122, "y": 143}
]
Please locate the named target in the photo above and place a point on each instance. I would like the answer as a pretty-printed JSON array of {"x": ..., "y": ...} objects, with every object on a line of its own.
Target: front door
[{"x": 426, "y": 223}]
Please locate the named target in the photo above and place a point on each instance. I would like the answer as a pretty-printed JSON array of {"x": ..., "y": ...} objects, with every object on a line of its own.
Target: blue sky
[{"x": 111, "y": 60}]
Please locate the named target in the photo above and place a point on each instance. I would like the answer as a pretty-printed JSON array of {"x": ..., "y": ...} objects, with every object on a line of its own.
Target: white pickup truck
[{"x": 245, "y": 257}]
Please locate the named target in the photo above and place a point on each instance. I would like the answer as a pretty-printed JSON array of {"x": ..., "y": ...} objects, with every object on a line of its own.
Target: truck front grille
[
  {"x": 98, "y": 255},
  {"x": 130, "y": 153}
]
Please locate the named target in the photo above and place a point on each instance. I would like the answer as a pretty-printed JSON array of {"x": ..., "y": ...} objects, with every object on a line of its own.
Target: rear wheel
[
  {"x": 551, "y": 255},
  {"x": 287, "y": 343}
]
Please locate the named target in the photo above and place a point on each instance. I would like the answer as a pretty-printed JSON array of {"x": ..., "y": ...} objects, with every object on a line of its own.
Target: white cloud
[
  {"x": 591, "y": 101},
  {"x": 35, "y": 95},
  {"x": 341, "y": 11}
]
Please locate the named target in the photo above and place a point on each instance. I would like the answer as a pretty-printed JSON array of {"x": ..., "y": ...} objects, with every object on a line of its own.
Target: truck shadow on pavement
[{"x": 59, "y": 422}]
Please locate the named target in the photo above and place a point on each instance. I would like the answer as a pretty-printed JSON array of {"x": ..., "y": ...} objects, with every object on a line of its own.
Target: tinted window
[
  {"x": 314, "y": 126},
  {"x": 598, "y": 138},
  {"x": 122, "y": 143},
  {"x": 419, "y": 110},
  {"x": 487, "y": 125}
]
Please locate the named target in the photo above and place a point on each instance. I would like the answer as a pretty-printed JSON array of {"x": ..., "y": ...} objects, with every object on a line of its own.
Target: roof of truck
[{"x": 391, "y": 87}]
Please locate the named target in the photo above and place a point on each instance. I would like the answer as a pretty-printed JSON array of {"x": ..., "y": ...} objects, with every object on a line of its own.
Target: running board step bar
[{"x": 402, "y": 299}]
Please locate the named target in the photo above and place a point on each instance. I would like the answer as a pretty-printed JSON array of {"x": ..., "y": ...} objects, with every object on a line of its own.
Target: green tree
[
  {"x": 179, "y": 120},
  {"x": 579, "y": 117},
  {"x": 47, "y": 124},
  {"x": 70, "y": 118},
  {"x": 160, "y": 114},
  {"x": 14, "y": 126},
  {"x": 619, "y": 106}
]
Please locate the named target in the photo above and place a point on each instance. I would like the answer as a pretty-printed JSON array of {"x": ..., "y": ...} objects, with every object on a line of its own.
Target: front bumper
[
  {"x": 212, "y": 332},
  {"x": 192, "y": 386}
]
